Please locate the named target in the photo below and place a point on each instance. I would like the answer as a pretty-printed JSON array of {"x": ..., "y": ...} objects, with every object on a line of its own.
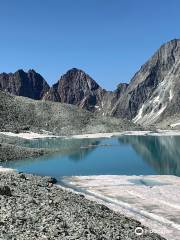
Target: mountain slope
[
  {"x": 28, "y": 84},
  {"x": 19, "y": 113},
  {"x": 154, "y": 90}
]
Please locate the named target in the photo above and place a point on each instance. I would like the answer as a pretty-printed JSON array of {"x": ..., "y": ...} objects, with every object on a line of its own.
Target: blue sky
[{"x": 109, "y": 39}]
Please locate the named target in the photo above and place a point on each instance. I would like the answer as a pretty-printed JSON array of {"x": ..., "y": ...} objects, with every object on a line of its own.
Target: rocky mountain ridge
[{"x": 151, "y": 96}]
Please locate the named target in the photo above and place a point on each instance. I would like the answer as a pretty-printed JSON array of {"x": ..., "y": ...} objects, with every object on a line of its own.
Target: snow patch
[
  {"x": 156, "y": 99},
  {"x": 139, "y": 115},
  {"x": 96, "y": 135},
  {"x": 175, "y": 124},
  {"x": 96, "y": 106},
  {"x": 149, "y": 199},
  {"x": 28, "y": 135},
  {"x": 170, "y": 95},
  {"x": 6, "y": 170},
  {"x": 149, "y": 118}
]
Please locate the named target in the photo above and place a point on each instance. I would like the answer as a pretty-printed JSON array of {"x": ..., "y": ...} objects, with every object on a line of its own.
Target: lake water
[{"x": 125, "y": 155}]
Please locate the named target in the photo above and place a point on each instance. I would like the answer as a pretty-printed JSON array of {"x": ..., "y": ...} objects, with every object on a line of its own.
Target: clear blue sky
[{"x": 109, "y": 39}]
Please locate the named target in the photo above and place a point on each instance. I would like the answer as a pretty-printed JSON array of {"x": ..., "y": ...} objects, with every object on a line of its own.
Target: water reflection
[
  {"x": 160, "y": 152},
  {"x": 76, "y": 149},
  {"x": 126, "y": 155}
]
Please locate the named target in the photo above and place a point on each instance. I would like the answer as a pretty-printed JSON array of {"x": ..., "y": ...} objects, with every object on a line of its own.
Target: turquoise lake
[{"x": 124, "y": 155}]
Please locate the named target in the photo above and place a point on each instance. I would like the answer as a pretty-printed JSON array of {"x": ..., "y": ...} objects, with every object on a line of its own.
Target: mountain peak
[
  {"x": 75, "y": 87},
  {"x": 78, "y": 72},
  {"x": 31, "y": 71},
  {"x": 75, "y": 70},
  {"x": 173, "y": 41},
  {"x": 20, "y": 71}
]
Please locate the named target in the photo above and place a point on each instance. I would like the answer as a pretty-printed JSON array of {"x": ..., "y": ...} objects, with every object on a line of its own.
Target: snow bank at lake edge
[
  {"x": 33, "y": 135},
  {"x": 152, "y": 200}
]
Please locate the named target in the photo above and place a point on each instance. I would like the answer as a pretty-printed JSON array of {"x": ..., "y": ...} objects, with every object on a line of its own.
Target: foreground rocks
[{"x": 36, "y": 209}]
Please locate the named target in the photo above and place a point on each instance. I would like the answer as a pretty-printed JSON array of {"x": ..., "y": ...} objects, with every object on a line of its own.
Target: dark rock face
[
  {"x": 20, "y": 83},
  {"x": 76, "y": 87}
]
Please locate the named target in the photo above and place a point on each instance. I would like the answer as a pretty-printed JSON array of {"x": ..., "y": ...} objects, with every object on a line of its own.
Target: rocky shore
[
  {"x": 11, "y": 148},
  {"x": 32, "y": 207},
  {"x": 13, "y": 152}
]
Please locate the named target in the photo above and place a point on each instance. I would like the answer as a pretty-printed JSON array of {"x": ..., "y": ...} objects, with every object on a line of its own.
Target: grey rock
[
  {"x": 5, "y": 190},
  {"x": 35, "y": 213},
  {"x": 56, "y": 118}
]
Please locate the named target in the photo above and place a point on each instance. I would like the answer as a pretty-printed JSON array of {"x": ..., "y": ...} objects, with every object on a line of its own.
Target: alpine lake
[{"x": 123, "y": 155}]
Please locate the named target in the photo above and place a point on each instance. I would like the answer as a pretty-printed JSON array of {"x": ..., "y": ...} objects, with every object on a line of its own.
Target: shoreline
[
  {"x": 36, "y": 136},
  {"x": 6, "y": 170},
  {"x": 116, "y": 206},
  {"x": 28, "y": 200},
  {"x": 86, "y": 186}
]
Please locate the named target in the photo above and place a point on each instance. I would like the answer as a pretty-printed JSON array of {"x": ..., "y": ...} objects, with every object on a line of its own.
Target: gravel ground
[
  {"x": 32, "y": 207},
  {"x": 19, "y": 114}
]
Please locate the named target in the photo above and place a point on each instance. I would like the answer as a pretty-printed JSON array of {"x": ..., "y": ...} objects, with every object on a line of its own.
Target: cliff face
[
  {"x": 155, "y": 89},
  {"x": 28, "y": 84}
]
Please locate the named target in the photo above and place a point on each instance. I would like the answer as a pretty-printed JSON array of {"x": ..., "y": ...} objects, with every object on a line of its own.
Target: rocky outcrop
[
  {"x": 5, "y": 190},
  {"x": 28, "y": 84}
]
